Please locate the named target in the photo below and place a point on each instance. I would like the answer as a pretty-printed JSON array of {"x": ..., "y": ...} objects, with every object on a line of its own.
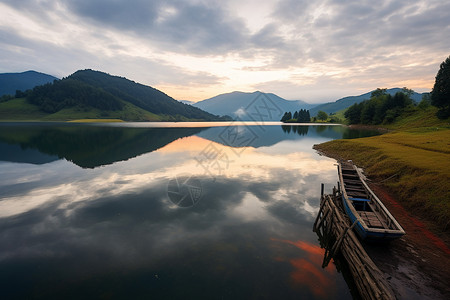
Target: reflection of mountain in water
[
  {"x": 15, "y": 153},
  {"x": 85, "y": 146},
  {"x": 257, "y": 136},
  {"x": 93, "y": 146}
]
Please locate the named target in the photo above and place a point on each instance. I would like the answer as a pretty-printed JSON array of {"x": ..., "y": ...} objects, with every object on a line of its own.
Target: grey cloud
[
  {"x": 180, "y": 26},
  {"x": 155, "y": 72},
  {"x": 39, "y": 8},
  {"x": 294, "y": 10},
  {"x": 344, "y": 35},
  {"x": 129, "y": 15},
  {"x": 195, "y": 27},
  {"x": 351, "y": 30},
  {"x": 268, "y": 37},
  {"x": 19, "y": 53}
]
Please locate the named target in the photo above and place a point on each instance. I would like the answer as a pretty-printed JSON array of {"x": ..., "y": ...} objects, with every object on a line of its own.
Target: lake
[{"x": 165, "y": 211}]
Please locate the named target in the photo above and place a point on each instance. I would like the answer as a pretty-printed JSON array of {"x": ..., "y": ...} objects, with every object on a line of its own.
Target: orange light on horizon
[{"x": 192, "y": 143}]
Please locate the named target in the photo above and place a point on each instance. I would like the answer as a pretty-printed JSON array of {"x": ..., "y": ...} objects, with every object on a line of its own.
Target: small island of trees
[{"x": 301, "y": 116}]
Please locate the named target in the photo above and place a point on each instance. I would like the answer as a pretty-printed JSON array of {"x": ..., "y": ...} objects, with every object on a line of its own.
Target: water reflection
[
  {"x": 85, "y": 146},
  {"x": 113, "y": 232},
  {"x": 301, "y": 130},
  {"x": 94, "y": 146}
]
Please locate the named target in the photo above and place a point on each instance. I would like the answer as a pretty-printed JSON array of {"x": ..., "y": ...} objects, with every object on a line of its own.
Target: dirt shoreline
[{"x": 417, "y": 265}]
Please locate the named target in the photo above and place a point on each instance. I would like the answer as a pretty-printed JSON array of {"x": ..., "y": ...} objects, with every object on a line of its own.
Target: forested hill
[
  {"x": 343, "y": 103},
  {"x": 142, "y": 96},
  {"x": 88, "y": 89}
]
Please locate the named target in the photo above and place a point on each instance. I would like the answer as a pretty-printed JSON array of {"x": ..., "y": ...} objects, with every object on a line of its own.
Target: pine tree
[{"x": 440, "y": 95}]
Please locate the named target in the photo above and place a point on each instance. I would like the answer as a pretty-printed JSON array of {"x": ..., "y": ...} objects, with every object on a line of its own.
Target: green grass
[
  {"x": 416, "y": 153},
  {"x": 418, "y": 118},
  {"x": 21, "y": 110}
]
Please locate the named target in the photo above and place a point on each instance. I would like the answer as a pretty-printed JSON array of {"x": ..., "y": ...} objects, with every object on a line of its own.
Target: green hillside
[
  {"x": 20, "y": 109},
  {"x": 142, "y": 96},
  {"x": 344, "y": 103},
  {"x": 95, "y": 95}
]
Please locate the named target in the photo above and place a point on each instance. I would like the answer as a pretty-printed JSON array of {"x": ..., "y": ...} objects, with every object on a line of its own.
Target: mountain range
[
  {"x": 11, "y": 82},
  {"x": 240, "y": 104},
  {"x": 343, "y": 103},
  {"x": 89, "y": 94},
  {"x": 94, "y": 94}
]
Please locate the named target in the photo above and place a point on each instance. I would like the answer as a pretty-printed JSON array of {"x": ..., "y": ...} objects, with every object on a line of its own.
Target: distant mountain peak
[
  {"x": 235, "y": 104},
  {"x": 10, "y": 82}
]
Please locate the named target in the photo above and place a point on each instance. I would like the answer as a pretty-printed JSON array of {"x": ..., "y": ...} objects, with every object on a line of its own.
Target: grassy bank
[
  {"x": 20, "y": 109},
  {"x": 413, "y": 161}
]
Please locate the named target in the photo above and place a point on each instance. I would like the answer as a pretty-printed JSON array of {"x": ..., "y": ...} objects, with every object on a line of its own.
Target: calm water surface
[{"x": 140, "y": 211}]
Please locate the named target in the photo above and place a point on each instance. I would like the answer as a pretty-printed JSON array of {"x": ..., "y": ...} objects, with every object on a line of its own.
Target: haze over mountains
[{"x": 94, "y": 94}]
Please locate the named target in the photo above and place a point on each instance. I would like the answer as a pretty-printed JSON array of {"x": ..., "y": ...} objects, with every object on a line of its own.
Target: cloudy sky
[{"x": 195, "y": 49}]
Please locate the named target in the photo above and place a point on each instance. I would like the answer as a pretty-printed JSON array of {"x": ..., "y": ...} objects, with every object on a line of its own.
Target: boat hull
[
  {"x": 373, "y": 221},
  {"x": 367, "y": 234}
]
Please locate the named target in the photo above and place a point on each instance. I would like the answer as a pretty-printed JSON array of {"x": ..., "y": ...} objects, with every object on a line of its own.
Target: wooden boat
[{"x": 375, "y": 222}]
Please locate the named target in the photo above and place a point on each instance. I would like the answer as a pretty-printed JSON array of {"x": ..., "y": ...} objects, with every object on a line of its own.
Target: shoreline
[
  {"x": 369, "y": 127},
  {"x": 417, "y": 264},
  {"x": 444, "y": 235}
]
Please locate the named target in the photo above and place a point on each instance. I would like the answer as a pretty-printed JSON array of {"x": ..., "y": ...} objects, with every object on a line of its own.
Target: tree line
[
  {"x": 380, "y": 108},
  {"x": 384, "y": 108},
  {"x": 301, "y": 116}
]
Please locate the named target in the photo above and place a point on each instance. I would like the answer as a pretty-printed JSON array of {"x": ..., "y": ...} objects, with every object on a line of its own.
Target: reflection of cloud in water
[
  {"x": 118, "y": 218},
  {"x": 282, "y": 174},
  {"x": 250, "y": 209}
]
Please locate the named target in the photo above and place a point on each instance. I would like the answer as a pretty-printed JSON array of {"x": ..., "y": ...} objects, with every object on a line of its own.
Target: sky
[{"x": 316, "y": 51}]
